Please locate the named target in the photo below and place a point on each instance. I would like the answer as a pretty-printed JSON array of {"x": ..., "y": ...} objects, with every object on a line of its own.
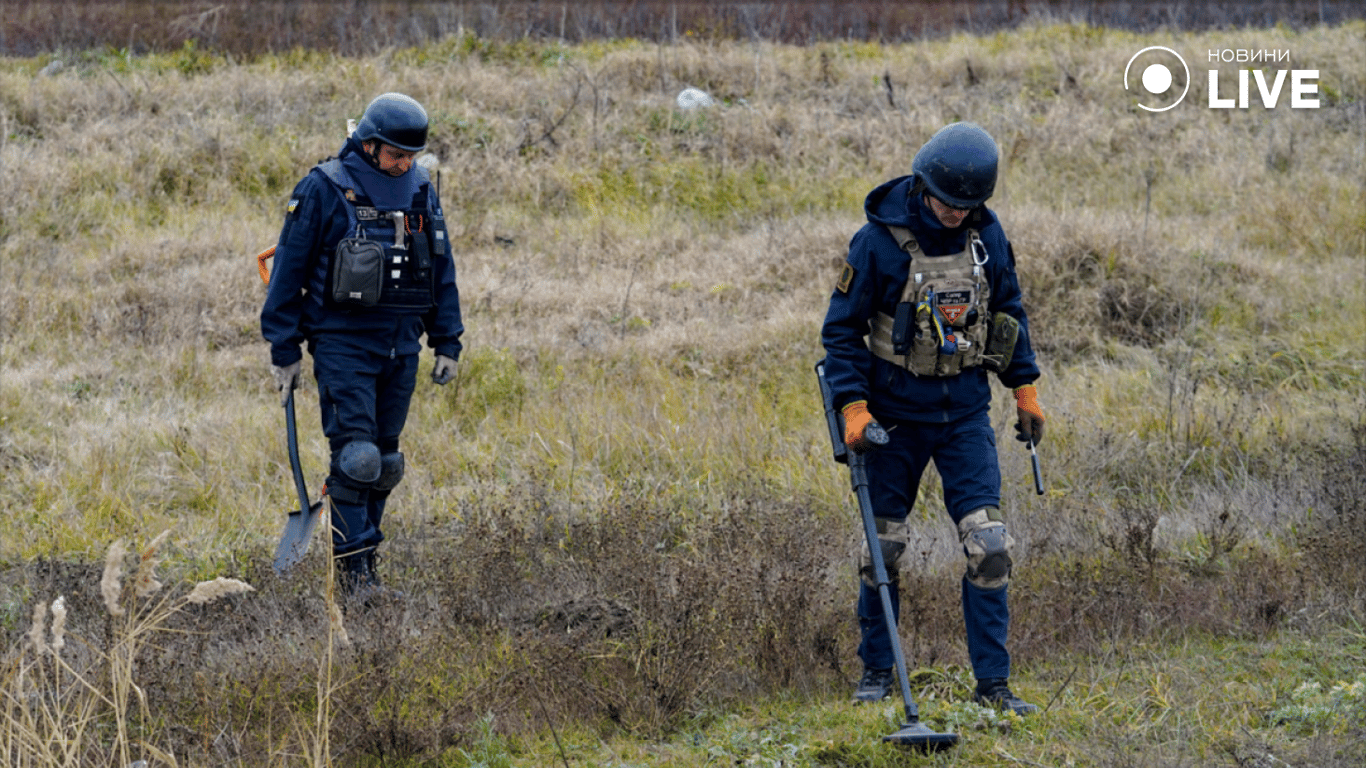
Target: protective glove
[
  {"x": 444, "y": 370},
  {"x": 857, "y": 419},
  {"x": 1030, "y": 426},
  {"x": 286, "y": 378}
]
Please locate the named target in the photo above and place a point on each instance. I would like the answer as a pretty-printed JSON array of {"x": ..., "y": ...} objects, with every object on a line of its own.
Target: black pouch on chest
[
  {"x": 421, "y": 253},
  {"x": 357, "y": 272},
  {"x": 903, "y": 328}
]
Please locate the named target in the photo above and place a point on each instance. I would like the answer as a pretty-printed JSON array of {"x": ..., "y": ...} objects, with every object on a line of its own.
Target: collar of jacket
[
  {"x": 935, "y": 238},
  {"x": 387, "y": 193}
]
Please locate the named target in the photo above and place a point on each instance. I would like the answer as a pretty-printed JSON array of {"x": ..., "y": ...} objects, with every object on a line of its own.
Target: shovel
[
  {"x": 912, "y": 733},
  {"x": 300, "y": 524}
]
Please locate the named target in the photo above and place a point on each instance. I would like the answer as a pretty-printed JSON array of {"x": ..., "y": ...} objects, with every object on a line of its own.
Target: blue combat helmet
[
  {"x": 396, "y": 120},
  {"x": 958, "y": 165}
]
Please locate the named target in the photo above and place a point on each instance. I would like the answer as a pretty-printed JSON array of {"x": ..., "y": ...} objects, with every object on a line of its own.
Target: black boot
[
  {"x": 993, "y": 692},
  {"x": 358, "y": 583},
  {"x": 876, "y": 685}
]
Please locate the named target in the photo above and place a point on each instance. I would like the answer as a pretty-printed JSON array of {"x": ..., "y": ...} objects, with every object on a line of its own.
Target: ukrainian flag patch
[{"x": 846, "y": 278}]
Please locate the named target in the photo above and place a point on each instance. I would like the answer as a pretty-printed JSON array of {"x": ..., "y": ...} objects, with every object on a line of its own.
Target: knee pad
[
  {"x": 390, "y": 471},
  {"x": 893, "y": 538},
  {"x": 987, "y": 545},
  {"x": 338, "y": 492},
  {"x": 358, "y": 462}
]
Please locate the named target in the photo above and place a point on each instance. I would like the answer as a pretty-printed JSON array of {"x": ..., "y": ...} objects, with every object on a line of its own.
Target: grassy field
[{"x": 621, "y": 534}]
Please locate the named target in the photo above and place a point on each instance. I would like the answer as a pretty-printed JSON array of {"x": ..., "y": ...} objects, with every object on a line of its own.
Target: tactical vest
[
  {"x": 386, "y": 259},
  {"x": 951, "y": 291}
]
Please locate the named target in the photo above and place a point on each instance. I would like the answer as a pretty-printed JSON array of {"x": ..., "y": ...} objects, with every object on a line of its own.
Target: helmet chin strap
[{"x": 371, "y": 154}]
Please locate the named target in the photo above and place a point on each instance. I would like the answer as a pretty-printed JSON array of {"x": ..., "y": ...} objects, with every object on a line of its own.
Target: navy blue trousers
[
  {"x": 964, "y": 454},
  {"x": 363, "y": 394}
]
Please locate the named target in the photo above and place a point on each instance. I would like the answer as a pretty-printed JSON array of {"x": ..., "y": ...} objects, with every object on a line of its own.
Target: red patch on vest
[{"x": 953, "y": 311}]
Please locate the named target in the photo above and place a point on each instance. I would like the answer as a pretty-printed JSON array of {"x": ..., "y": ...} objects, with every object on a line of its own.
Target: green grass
[{"x": 1191, "y": 701}]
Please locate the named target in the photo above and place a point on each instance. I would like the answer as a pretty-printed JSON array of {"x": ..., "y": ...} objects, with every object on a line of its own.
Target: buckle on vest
[{"x": 367, "y": 214}]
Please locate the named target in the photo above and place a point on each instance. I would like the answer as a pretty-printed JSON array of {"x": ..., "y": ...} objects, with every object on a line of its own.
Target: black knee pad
[
  {"x": 390, "y": 471},
  {"x": 358, "y": 462}
]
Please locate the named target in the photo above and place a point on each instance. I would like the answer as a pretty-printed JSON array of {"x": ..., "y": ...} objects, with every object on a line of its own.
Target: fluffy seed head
[
  {"x": 35, "y": 633},
  {"x": 112, "y": 582},
  {"x": 209, "y": 591},
  {"x": 145, "y": 583},
  {"x": 334, "y": 612},
  {"x": 58, "y": 623}
]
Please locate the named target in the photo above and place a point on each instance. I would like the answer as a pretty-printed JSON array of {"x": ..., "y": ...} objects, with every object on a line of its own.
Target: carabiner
[{"x": 979, "y": 250}]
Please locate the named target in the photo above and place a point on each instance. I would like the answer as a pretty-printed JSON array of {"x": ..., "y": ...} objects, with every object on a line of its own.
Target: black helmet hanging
[
  {"x": 958, "y": 165},
  {"x": 396, "y": 120}
]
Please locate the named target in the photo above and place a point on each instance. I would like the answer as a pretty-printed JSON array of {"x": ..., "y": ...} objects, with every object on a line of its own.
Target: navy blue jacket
[
  {"x": 880, "y": 270},
  {"x": 294, "y": 310}
]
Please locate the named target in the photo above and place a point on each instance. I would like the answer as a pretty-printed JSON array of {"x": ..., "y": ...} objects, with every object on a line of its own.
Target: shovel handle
[{"x": 292, "y": 433}]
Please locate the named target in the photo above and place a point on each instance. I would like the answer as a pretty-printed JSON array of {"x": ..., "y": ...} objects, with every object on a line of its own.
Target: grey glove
[
  {"x": 444, "y": 370},
  {"x": 286, "y": 378}
]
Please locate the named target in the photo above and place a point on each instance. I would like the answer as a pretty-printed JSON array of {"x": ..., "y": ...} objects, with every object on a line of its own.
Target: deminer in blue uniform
[
  {"x": 363, "y": 269},
  {"x": 926, "y": 307}
]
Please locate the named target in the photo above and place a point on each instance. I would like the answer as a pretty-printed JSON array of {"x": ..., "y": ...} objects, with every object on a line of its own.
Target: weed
[
  {"x": 1312, "y": 710},
  {"x": 58, "y": 704}
]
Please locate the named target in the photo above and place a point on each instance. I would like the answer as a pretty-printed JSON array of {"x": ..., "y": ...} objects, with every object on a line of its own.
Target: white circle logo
[{"x": 1157, "y": 77}]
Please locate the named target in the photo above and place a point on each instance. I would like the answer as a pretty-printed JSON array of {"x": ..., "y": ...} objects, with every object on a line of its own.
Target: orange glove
[
  {"x": 856, "y": 421},
  {"x": 1030, "y": 425}
]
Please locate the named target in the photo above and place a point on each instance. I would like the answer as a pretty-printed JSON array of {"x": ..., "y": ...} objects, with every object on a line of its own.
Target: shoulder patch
[{"x": 846, "y": 278}]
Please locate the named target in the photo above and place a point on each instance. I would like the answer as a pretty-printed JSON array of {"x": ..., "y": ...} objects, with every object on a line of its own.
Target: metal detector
[{"x": 913, "y": 733}]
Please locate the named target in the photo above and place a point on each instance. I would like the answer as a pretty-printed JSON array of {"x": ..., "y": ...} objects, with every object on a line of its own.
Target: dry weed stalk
[
  {"x": 52, "y": 707},
  {"x": 320, "y": 737}
]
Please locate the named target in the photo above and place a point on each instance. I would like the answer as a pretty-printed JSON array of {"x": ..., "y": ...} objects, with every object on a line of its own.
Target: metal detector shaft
[
  {"x": 1038, "y": 474},
  {"x": 859, "y": 476}
]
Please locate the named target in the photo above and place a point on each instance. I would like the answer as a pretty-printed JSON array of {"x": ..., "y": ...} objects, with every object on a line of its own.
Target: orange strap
[{"x": 261, "y": 264}]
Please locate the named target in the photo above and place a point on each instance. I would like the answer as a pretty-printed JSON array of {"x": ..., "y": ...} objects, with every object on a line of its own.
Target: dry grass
[
  {"x": 623, "y": 513},
  {"x": 58, "y": 703},
  {"x": 251, "y": 27}
]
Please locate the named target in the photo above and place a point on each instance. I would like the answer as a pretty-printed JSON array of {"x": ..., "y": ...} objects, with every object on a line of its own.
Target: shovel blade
[
  {"x": 298, "y": 534},
  {"x": 920, "y": 736}
]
